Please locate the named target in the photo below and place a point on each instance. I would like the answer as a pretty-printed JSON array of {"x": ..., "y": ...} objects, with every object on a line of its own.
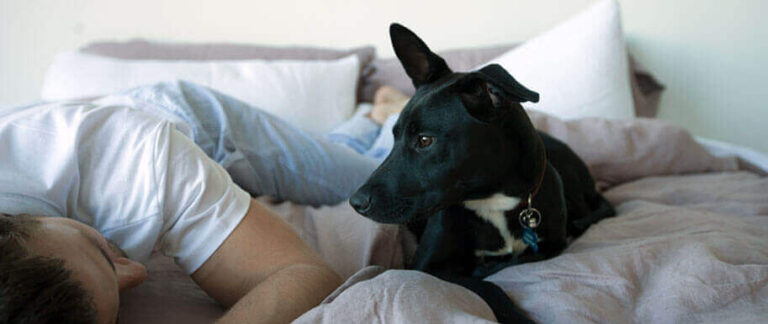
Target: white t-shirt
[{"x": 131, "y": 175}]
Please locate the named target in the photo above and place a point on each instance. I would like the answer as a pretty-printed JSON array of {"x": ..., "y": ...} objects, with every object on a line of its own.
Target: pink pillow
[{"x": 618, "y": 151}]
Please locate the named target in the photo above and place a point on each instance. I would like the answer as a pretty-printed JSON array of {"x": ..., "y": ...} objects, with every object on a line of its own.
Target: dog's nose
[{"x": 360, "y": 201}]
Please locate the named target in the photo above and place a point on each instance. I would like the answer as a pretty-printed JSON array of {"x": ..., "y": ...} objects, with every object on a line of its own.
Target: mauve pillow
[
  {"x": 646, "y": 90},
  {"x": 619, "y": 151},
  {"x": 139, "y": 49}
]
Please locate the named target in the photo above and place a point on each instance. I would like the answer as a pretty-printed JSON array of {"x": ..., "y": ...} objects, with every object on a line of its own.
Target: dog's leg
[
  {"x": 592, "y": 210},
  {"x": 600, "y": 207},
  {"x": 444, "y": 246},
  {"x": 578, "y": 217},
  {"x": 503, "y": 307},
  {"x": 446, "y": 251}
]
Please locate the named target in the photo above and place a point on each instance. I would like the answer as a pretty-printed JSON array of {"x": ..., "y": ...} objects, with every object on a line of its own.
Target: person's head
[{"x": 57, "y": 270}]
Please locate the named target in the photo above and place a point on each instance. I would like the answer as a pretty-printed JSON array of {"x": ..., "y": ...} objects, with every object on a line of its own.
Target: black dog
[{"x": 473, "y": 179}]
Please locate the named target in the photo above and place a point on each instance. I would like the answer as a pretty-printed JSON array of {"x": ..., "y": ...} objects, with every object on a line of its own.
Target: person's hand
[{"x": 387, "y": 101}]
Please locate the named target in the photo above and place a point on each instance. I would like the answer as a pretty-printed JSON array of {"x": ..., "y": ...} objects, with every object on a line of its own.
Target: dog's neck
[
  {"x": 530, "y": 192},
  {"x": 496, "y": 202},
  {"x": 527, "y": 174},
  {"x": 494, "y": 210}
]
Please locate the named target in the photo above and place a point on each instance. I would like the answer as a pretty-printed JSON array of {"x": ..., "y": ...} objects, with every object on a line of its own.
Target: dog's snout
[{"x": 360, "y": 201}]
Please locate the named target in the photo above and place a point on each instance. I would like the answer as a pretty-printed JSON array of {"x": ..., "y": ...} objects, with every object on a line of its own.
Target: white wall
[{"x": 712, "y": 55}]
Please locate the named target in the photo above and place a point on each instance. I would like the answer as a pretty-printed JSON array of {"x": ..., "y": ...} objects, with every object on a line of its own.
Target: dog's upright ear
[
  {"x": 508, "y": 86},
  {"x": 421, "y": 65}
]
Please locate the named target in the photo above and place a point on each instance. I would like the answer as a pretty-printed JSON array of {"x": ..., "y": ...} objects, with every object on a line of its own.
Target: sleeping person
[{"x": 89, "y": 190}]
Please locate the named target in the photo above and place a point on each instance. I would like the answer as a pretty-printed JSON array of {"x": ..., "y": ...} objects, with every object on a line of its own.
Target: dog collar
[
  {"x": 535, "y": 190},
  {"x": 530, "y": 218},
  {"x": 541, "y": 176}
]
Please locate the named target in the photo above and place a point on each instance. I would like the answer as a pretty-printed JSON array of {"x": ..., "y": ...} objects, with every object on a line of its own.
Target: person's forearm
[{"x": 284, "y": 295}]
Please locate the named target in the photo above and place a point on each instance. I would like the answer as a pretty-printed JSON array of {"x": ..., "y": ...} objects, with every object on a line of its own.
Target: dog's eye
[{"x": 425, "y": 141}]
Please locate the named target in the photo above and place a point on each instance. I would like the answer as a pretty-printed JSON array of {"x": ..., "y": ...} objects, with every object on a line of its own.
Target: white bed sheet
[{"x": 752, "y": 157}]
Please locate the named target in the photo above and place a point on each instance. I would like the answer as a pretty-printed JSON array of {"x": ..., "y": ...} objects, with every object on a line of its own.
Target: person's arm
[{"x": 264, "y": 272}]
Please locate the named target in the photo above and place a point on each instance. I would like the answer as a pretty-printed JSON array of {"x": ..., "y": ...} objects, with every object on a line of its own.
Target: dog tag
[
  {"x": 530, "y": 218},
  {"x": 531, "y": 239}
]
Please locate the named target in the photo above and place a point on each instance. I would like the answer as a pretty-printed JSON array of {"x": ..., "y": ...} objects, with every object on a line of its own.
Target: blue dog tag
[{"x": 531, "y": 239}]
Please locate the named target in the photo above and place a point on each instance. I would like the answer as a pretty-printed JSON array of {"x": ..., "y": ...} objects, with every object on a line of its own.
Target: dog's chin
[
  {"x": 401, "y": 211},
  {"x": 398, "y": 215},
  {"x": 389, "y": 218}
]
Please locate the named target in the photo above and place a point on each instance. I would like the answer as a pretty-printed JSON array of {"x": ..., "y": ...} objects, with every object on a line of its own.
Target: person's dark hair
[{"x": 36, "y": 289}]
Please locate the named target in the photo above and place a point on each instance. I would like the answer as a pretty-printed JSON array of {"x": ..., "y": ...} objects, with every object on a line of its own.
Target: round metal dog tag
[{"x": 530, "y": 218}]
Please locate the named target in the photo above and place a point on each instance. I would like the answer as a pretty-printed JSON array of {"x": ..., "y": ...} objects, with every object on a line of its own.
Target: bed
[{"x": 689, "y": 243}]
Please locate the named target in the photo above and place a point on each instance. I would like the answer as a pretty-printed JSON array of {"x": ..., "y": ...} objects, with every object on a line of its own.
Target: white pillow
[
  {"x": 579, "y": 67},
  {"x": 313, "y": 95}
]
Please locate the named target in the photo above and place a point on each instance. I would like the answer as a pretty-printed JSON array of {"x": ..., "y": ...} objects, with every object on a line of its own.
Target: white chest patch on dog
[{"x": 492, "y": 210}]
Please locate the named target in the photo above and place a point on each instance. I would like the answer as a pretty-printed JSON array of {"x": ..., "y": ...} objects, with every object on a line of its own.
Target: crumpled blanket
[{"x": 683, "y": 249}]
